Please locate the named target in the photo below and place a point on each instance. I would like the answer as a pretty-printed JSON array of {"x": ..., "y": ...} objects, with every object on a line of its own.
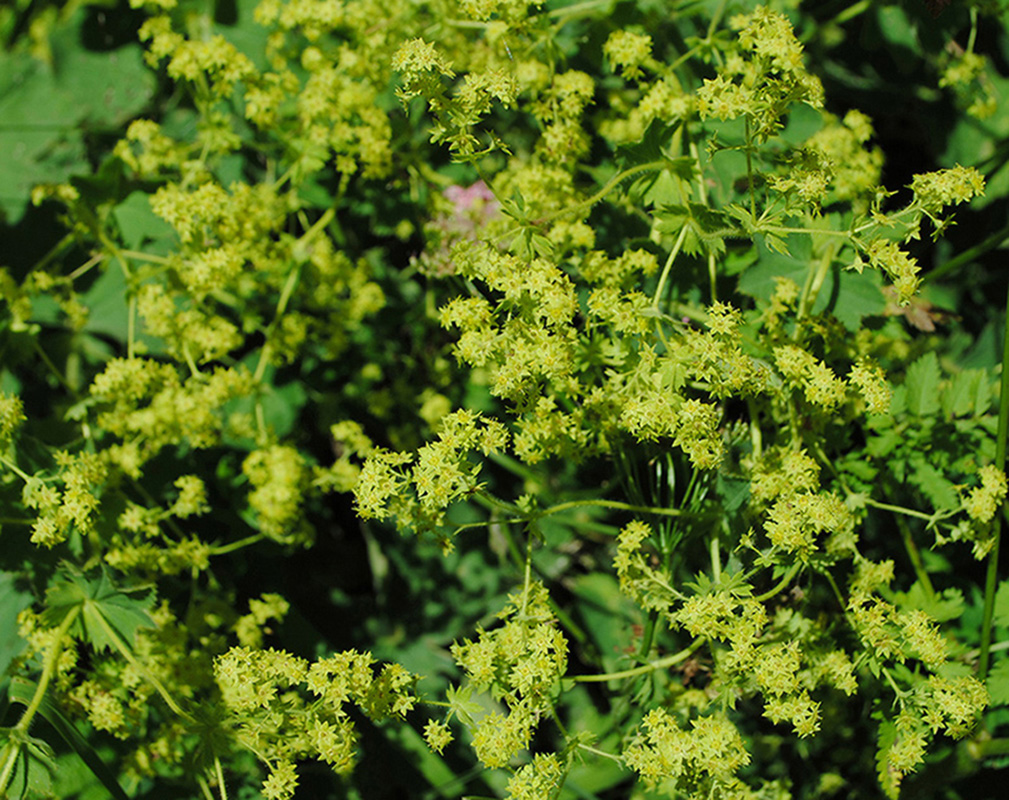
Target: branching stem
[{"x": 662, "y": 663}]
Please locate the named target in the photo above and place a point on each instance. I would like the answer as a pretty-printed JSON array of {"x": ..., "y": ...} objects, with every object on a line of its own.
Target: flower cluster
[
  {"x": 72, "y": 508},
  {"x": 697, "y": 761},
  {"x": 629, "y": 51},
  {"x": 11, "y": 416},
  {"x": 540, "y": 778},
  {"x": 936, "y": 190},
  {"x": 519, "y": 663},
  {"x": 769, "y": 57},
  {"x": 639, "y": 580},
  {"x": 440, "y": 475},
  {"x": 889, "y": 632},
  {"x": 983, "y": 501},
  {"x": 260, "y": 265},
  {"x": 286, "y": 709}
]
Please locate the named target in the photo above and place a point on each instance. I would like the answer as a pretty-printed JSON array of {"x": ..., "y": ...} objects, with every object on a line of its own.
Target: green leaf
[
  {"x": 46, "y": 110},
  {"x": 942, "y": 606},
  {"x": 607, "y": 616},
  {"x": 933, "y": 484},
  {"x": 885, "y": 741},
  {"x": 280, "y": 405},
  {"x": 922, "y": 384},
  {"x": 139, "y": 226},
  {"x": 34, "y": 768},
  {"x": 22, "y": 690},
  {"x": 1001, "y": 618},
  {"x": 998, "y": 683},
  {"x": 460, "y": 704},
  {"x": 12, "y": 602},
  {"x": 969, "y": 394},
  {"x": 851, "y": 297},
  {"x": 106, "y": 612},
  {"x": 706, "y": 228}
]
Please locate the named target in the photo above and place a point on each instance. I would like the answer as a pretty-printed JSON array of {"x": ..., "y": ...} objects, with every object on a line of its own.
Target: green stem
[
  {"x": 86, "y": 267},
  {"x": 135, "y": 255},
  {"x": 893, "y": 685},
  {"x": 989, "y": 748},
  {"x": 716, "y": 559},
  {"x": 716, "y": 18},
  {"x": 785, "y": 580},
  {"x": 600, "y": 753},
  {"x": 620, "y": 177},
  {"x": 986, "y": 244},
  {"x": 15, "y": 469},
  {"x": 48, "y": 670},
  {"x": 668, "y": 266},
  {"x": 815, "y": 282},
  {"x": 991, "y": 579},
  {"x": 910, "y": 512},
  {"x": 131, "y": 326},
  {"x": 557, "y": 721},
  {"x": 52, "y": 659},
  {"x": 648, "y": 635},
  {"x": 661, "y": 663},
  {"x": 48, "y": 362},
  {"x": 230, "y": 548},
  {"x": 285, "y": 296},
  {"x": 288, "y": 288},
  {"x": 750, "y": 169},
  {"x": 120, "y": 645},
  {"x": 8, "y": 767},
  {"x": 786, "y": 229},
  {"x": 614, "y": 504},
  {"x": 972, "y": 655},
  {"x": 204, "y": 787},
  {"x": 578, "y": 8},
  {"x": 220, "y": 778},
  {"x": 915, "y": 555}
]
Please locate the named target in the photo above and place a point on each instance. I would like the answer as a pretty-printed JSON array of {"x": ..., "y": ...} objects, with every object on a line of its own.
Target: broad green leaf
[
  {"x": 102, "y": 605},
  {"x": 45, "y": 110},
  {"x": 12, "y": 602},
  {"x": 885, "y": 443},
  {"x": 922, "y": 385},
  {"x": 706, "y": 228},
  {"x": 107, "y": 303},
  {"x": 280, "y": 404},
  {"x": 607, "y": 616},
  {"x": 140, "y": 227},
  {"x": 851, "y": 297}
]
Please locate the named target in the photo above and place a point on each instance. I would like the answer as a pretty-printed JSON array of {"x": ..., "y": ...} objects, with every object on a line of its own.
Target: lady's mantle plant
[{"x": 686, "y": 416}]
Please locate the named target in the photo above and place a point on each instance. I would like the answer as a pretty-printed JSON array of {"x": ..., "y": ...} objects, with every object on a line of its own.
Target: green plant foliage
[
  {"x": 502, "y": 398},
  {"x": 86, "y": 93}
]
